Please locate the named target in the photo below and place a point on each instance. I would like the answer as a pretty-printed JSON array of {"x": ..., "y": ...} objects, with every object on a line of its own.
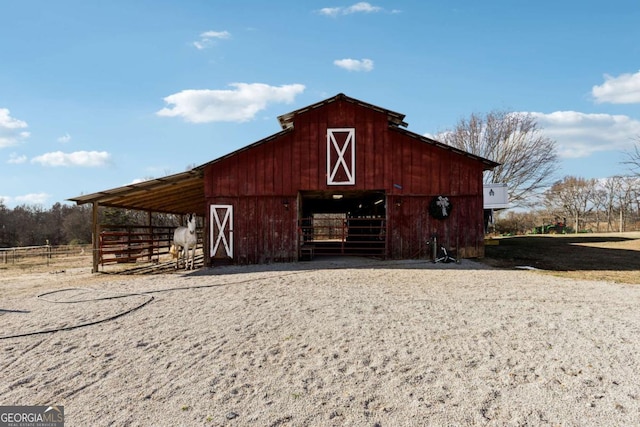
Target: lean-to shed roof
[{"x": 180, "y": 193}]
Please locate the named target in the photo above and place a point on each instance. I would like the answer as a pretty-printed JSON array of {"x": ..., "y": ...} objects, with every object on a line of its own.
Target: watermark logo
[{"x": 31, "y": 416}]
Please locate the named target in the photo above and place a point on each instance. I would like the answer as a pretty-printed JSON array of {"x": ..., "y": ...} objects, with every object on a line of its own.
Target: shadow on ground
[{"x": 563, "y": 253}]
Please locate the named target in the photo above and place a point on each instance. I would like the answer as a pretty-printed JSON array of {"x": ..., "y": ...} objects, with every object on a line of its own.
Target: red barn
[{"x": 343, "y": 177}]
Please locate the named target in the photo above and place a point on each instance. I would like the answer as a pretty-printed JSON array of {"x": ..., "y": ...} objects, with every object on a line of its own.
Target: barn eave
[{"x": 487, "y": 164}]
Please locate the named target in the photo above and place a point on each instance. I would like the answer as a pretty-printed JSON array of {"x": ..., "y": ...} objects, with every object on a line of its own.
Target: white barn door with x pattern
[
  {"x": 341, "y": 156},
  {"x": 221, "y": 220}
]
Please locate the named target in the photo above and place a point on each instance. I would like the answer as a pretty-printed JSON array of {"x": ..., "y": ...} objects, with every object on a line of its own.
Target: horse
[{"x": 186, "y": 238}]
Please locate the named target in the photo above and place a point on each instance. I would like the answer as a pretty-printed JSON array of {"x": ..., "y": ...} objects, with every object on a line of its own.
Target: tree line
[
  {"x": 62, "y": 224},
  {"x": 576, "y": 204}
]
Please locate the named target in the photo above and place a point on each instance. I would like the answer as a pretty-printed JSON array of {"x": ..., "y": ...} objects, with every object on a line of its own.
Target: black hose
[{"x": 81, "y": 325}]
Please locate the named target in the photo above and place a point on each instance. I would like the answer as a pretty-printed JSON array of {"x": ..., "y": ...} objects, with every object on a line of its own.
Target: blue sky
[{"x": 99, "y": 94}]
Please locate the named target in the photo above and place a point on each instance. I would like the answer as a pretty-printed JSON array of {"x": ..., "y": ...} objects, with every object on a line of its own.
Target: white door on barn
[
  {"x": 221, "y": 225},
  {"x": 341, "y": 156}
]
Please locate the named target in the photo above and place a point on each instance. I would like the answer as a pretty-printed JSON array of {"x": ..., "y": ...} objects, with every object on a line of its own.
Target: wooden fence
[
  {"x": 129, "y": 244},
  {"x": 41, "y": 255},
  {"x": 125, "y": 244}
]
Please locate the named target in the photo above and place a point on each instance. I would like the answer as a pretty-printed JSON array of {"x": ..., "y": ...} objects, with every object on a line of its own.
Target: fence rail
[
  {"x": 128, "y": 244},
  {"x": 44, "y": 254}
]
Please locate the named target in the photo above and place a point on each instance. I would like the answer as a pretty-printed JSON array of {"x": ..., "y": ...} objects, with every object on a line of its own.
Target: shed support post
[
  {"x": 206, "y": 239},
  {"x": 95, "y": 238},
  {"x": 151, "y": 237}
]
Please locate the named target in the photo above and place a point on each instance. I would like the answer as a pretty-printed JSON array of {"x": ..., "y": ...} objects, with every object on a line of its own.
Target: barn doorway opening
[{"x": 337, "y": 223}]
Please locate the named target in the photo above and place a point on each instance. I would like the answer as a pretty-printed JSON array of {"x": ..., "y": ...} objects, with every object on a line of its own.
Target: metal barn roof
[{"x": 395, "y": 119}]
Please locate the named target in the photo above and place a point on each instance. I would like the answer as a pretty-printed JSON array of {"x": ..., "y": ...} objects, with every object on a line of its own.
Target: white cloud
[
  {"x": 208, "y": 39},
  {"x": 436, "y": 136},
  {"x": 15, "y": 159},
  {"x": 32, "y": 199},
  {"x": 354, "y": 64},
  {"x": 77, "y": 158},
  {"x": 11, "y": 132},
  {"x": 64, "y": 139},
  {"x": 238, "y": 105},
  {"x": 139, "y": 180},
  {"x": 330, "y": 11},
  {"x": 624, "y": 89},
  {"x": 27, "y": 199},
  {"x": 361, "y": 7},
  {"x": 581, "y": 135}
]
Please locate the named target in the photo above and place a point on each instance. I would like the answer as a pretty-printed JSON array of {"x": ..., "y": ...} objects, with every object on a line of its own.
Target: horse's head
[{"x": 191, "y": 223}]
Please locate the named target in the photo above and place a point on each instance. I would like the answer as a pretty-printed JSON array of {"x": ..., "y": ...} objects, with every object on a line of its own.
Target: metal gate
[{"x": 339, "y": 234}]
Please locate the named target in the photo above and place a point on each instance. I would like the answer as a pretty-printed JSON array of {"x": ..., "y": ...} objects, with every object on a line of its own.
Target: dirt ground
[
  {"x": 606, "y": 256},
  {"x": 334, "y": 342}
]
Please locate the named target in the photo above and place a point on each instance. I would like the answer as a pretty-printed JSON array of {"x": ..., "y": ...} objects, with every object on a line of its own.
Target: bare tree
[
  {"x": 4, "y": 220},
  {"x": 599, "y": 199},
  {"x": 527, "y": 158},
  {"x": 612, "y": 187},
  {"x": 636, "y": 194},
  {"x": 625, "y": 197},
  {"x": 633, "y": 158},
  {"x": 573, "y": 197}
]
